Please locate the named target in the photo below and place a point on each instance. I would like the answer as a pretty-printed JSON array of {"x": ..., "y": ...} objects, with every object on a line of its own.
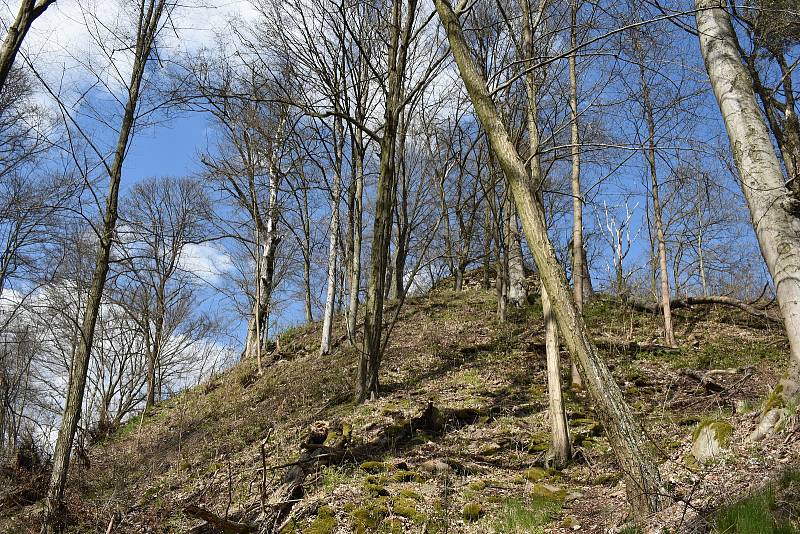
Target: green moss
[
  {"x": 368, "y": 517},
  {"x": 546, "y": 491},
  {"x": 392, "y": 525},
  {"x": 410, "y": 494},
  {"x": 539, "y": 443},
  {"x": 534, "y": 474},
  {"x": 722, "y": 430},
  {"x": 405, "y": 476},
  {"x": 407, "y": 508},
  {"x": 477, "y": 485},
  {"x": 325, "y": 523},
  {"x": 290, "y": 528},
  {"x": 774, "y": 400},
  {"x": 472, "y": 511},
  {"x": 375, "y": 489},
  {"x": 691, "y": 462}
]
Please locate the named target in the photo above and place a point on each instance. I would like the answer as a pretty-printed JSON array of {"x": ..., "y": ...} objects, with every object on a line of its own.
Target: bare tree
[
  {"x": 162, "y": 217},
  {"x": 148, "y": 24},
  {"x": 644, "y": 486}
]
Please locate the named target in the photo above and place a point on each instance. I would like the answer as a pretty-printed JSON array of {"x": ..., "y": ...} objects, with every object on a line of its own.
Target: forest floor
[{"x": 481, "y": 468}]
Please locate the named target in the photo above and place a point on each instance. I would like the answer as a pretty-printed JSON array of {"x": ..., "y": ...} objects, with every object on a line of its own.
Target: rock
[
  {"x": 573, "y": 496},
  {"x": 571, "y": 522},
  {"x": 710, "y": 439},
  {"x": 548, "y": 491},
  {"x": 472, "y": 512},
  {"x": 435, "y": 466},
  {"x": 768, "y": 422},
  {"x": 490, "y": 449}
]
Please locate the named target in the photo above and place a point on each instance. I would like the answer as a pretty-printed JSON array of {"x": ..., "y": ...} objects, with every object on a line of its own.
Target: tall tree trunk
[
  {"x": 149, "y": 21},
  {"x": 29, "y": 10},
  {"x": 560, "y": 447},
  {"x": 650, "y": 153},
  {"x": 333, "y": 250},
  {"x": 369, "y": 363},
  {"x": 265, "y": 268},
  {"x": 773, "y": 209},
  {"x": 579, "y": 267},
  {"x": 627, "y": 438},
  {"x": 356, "y": 235}
]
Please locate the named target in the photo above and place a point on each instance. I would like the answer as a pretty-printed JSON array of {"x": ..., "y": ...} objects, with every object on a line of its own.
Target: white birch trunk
[{"x": 772, "y": 208}]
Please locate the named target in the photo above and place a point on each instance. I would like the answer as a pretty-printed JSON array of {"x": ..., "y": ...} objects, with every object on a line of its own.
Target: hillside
[{"x": 457, "y": 442}]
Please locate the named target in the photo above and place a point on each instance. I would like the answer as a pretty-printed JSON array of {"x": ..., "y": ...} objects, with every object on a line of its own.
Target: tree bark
[
  {"x": 560, "y": 447},
  {"x": 578, "y": 254},
  {"x": 627, "y": 438},
  {"x": 356, "y": 235},
  {"x": 517, "y": 292},
  {"x": 773, "y": 209},
  {"x": 381, "y": 235},
  {"x": 327, "y": 321},
  {"x": 29, "y": 10},
  {"x": 658, "y": 221},
  {"x": 149, "y": 21}
]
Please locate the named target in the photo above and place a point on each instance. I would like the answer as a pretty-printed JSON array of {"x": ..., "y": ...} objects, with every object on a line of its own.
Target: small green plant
[
  {"x": 514, "y": 516},
  {"x": 761, "y": 512}
]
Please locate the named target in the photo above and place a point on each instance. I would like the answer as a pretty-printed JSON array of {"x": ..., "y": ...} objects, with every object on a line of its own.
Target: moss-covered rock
[
  {"x": 710, "y": 438},
  {"x": 410, "y": 494},
  {"x": 539, "y": 443},
  {"x": 376, "y": 489},
  {"x": 534, "y": 474},
  {"x": 477, "y": 485},
  {"x": 407, "y": 508},
  {"x": 325, "y": 523},
  {"x": 490, "y": 449},
  {"x": 472, "y": 511},
  {"x": 405, "y": 476},
  {"x": 549, "y": 492}
]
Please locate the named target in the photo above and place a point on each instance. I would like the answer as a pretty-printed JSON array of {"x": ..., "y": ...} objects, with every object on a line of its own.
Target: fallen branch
[
  {"x": 688, "y": 302},
  {"x": 704, "y": 380},
  {"x": 226, "y": 525}
]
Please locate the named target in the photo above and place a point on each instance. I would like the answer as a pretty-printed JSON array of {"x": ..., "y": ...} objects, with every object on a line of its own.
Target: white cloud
[
  {"x": 76, "y": 42},
  {"x": 206, "y": 262}
]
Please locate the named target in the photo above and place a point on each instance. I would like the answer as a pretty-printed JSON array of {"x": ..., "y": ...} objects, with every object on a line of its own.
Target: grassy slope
[{"x": 204, "y": 446}]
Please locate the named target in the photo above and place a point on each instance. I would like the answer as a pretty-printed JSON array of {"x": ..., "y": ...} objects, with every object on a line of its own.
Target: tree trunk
[
  {"x": 355, "y": 256},
  {"x": 333, "y": 250},
  {"x": 381, "y": 235},
  {"x": 148, "y": 28},
  {"x": 627, "y": 438},
  {"x": 560, "y": 447},
  {"x": 29, "y": 10},
  {"x": 773, "y": 209},
  {"x": 578, "y": 264},
  {"x": 265, "y": 271},
  {"x": 517, "y": 292},
  {"x": 650, "y": 153}
]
